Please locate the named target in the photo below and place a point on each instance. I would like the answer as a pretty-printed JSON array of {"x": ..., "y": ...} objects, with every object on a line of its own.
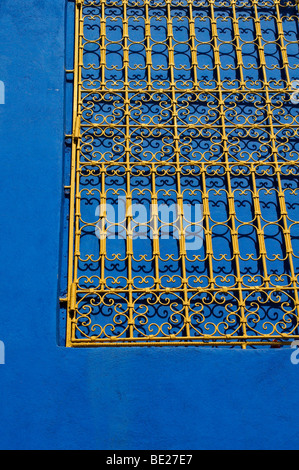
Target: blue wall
[{"x": 57, "y": 398}]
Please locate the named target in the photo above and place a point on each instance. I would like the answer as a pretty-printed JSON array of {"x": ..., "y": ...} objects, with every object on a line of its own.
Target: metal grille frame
[{"x": 206, "y": 115}]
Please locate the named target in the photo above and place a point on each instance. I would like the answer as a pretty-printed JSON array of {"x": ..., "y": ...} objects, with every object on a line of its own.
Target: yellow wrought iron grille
[{"x": 189, "y": 106}]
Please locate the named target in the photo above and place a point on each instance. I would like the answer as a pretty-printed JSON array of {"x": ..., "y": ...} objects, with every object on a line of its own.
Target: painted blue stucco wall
[{"x": 57, "y": 398}]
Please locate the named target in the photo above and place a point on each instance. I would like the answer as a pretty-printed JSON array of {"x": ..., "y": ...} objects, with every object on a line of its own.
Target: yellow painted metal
[{"x": 259, "y": 330}]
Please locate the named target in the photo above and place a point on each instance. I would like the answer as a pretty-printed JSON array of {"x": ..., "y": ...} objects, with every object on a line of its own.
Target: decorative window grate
[{"x": 184, "y": 209}]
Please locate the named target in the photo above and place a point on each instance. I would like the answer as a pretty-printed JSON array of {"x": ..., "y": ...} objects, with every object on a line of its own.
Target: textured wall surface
[{"x": 55, "y": 398}]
